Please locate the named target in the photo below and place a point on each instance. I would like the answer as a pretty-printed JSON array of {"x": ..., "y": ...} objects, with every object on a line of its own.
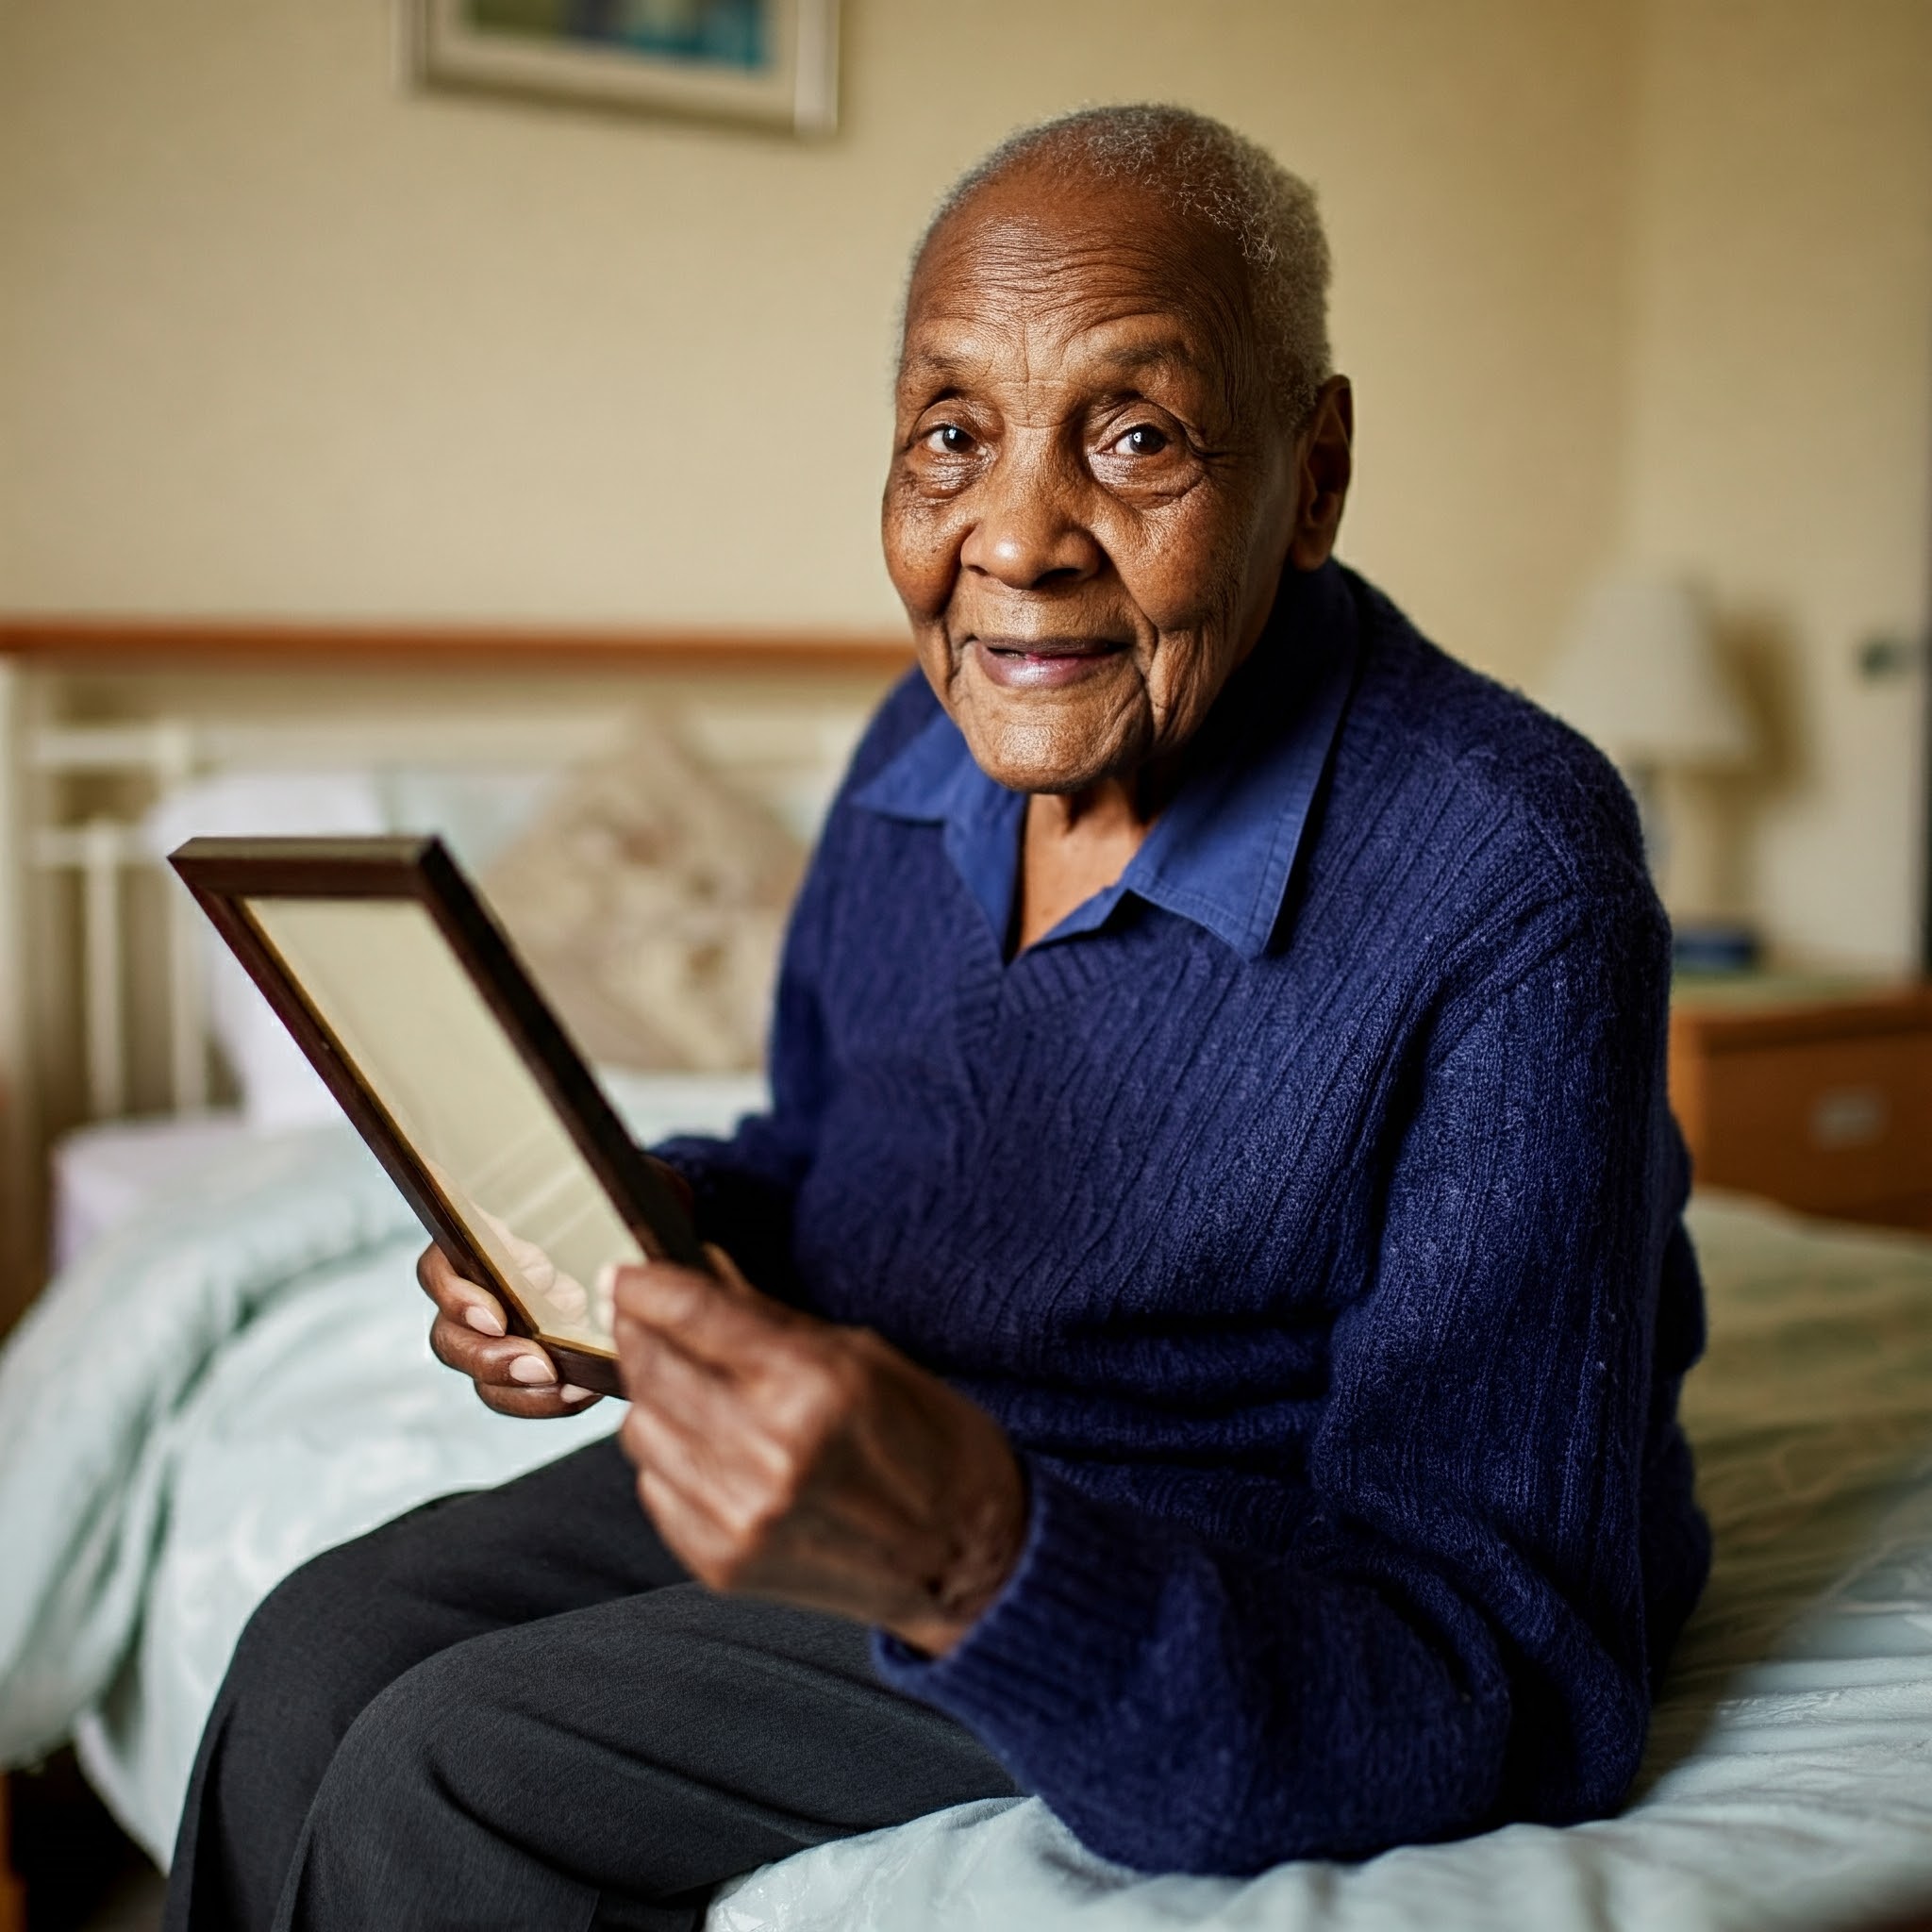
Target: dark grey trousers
[{"x": 515, "y": 1709}]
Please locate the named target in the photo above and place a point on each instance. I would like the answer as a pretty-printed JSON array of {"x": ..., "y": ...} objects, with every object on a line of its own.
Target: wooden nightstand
[{"x": 1815, "y": 1094}]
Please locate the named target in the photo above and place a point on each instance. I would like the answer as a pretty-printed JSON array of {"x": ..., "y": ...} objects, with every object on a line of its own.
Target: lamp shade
[{"x": 1637, "y": 673}]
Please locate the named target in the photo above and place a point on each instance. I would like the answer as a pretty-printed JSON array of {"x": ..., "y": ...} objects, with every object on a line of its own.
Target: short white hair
[{"x": 1202, "y": 169}]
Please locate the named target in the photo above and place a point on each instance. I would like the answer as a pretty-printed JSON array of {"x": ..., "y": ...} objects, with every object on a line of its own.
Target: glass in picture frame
[{"x": 387, "y": 969}]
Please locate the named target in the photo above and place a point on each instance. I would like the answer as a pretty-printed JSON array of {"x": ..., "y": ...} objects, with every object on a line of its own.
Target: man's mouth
[{"x": 1042, "y": 663}]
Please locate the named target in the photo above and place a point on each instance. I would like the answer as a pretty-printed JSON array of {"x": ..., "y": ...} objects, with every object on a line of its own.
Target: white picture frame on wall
[{"x": 769, "y": 62}]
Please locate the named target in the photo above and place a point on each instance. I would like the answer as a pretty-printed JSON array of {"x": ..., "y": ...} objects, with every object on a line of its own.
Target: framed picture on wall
[{"x": 775, "y": 61}]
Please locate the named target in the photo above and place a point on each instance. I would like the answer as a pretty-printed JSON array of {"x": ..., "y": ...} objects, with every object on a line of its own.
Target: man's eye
[
  {"x": 1141, "y": 441},
  {"x": 950, "y": 440}
]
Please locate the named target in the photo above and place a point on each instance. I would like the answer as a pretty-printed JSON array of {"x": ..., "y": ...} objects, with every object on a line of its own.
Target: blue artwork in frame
[
  {"x": 771, "y": 61},
  {"x": 736, "y": 32}
]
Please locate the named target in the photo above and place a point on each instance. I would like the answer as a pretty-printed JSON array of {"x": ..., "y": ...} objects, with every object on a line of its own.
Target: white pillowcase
[{"x": 279, "y": 1089}]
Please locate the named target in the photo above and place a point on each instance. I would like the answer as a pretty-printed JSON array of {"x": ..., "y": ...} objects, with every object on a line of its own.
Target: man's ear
[{"x": 1324, "y": 462}]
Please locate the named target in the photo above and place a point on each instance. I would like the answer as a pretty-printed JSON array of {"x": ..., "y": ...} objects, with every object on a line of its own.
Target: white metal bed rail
[
  {"x": 98, "y": 852},
  {"x": 787, "y": 757}
]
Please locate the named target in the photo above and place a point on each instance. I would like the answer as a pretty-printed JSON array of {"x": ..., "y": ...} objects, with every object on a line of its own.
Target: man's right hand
[{"x": 512, "y": 1374}]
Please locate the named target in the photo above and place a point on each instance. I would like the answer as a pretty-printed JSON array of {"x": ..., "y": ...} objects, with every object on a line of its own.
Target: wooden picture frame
[
  {"x": 773, "y": 61},
  {"x": 405, "y": 996}
]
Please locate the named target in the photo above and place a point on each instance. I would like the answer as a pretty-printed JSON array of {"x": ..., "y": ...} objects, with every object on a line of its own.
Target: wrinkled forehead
[{"x": 1081, "y": 268}]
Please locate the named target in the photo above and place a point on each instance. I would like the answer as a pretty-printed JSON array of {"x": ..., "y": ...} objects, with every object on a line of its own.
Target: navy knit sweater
[{"x": 1306, "y": 1208}]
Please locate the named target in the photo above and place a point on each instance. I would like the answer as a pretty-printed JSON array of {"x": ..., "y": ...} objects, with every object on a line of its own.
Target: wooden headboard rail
[{"x": 156, "y": 644}]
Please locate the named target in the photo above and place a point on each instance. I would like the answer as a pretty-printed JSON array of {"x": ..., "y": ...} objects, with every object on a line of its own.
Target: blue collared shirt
[{"x": 1222, "y": 853}]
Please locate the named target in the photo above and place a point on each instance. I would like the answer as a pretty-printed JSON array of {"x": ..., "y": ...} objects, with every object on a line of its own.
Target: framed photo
[
  {"x": 775, "y": 61},
  {"x": 381, "y": 960}
]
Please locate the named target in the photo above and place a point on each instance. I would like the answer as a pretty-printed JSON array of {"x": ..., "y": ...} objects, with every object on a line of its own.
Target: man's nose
[{"x": 1030, "y": 531}]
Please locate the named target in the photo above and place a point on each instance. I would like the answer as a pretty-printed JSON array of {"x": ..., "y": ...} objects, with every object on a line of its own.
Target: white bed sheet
[{"x": 100, "y": 1176}]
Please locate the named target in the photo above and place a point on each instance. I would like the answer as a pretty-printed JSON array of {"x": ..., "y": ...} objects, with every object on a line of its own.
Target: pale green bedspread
[
  {"x": 206, "y": 1400},
  {"x": 243, "y": 1380}
]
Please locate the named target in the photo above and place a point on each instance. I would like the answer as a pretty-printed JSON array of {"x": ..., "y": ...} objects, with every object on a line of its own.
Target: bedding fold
[{"x": 98, "y": 1379}]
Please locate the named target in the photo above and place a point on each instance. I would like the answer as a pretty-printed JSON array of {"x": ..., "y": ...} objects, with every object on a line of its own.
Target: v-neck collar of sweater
[{"x": 1222, "y": 852}]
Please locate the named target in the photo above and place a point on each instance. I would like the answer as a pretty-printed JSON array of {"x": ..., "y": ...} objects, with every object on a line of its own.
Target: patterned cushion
[{"x": 649, "y": 901}]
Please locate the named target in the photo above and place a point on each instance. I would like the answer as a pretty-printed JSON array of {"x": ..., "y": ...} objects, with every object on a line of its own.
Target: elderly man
[{"x": 1204, "y": 1316}]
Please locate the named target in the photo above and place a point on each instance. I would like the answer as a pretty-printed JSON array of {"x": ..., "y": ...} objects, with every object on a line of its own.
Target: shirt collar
[{"x": 1222, "y": 852}]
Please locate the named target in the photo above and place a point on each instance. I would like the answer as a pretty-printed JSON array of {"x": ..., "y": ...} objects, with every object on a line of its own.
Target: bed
[
  {"x": 230, "y": 1372},
  {"x": 259, "y": 1388}
]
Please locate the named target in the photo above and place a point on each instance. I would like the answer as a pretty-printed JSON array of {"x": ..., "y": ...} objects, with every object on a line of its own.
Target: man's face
[{"x": 1091, "y": 497}]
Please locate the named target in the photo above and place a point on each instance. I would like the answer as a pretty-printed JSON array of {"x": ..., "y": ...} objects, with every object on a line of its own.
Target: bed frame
[{"x": 101, "y": 1005}]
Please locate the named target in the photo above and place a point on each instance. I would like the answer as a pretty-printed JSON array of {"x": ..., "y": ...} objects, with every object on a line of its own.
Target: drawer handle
[{"x": 1848, "y": 1117}]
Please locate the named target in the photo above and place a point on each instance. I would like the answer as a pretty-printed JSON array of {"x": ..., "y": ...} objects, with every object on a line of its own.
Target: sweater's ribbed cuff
[{"x": 1060, "y": 1638}]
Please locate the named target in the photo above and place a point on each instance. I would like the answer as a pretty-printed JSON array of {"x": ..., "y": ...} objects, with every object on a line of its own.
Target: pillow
[
  {"x": 475, "y": 810},
  {"x": 279, "y": 1089},
  {"x": 649, "y": 901}
]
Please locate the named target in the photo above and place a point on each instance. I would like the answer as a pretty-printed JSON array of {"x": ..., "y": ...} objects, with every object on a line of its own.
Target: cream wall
[
  {"x": 1614, "y": 275},
  {"x": 280, "y": 339},
  {"x": 1780, "y": 422}
]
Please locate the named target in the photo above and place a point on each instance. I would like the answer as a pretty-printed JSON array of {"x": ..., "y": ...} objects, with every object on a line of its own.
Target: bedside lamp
[{"x": 1637, "y": 673}]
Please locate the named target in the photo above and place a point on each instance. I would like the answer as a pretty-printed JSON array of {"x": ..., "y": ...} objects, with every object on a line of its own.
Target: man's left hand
[{"x": 789, "y": 1458}]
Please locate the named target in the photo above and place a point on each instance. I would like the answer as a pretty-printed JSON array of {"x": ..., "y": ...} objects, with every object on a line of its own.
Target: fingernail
[
  {"x": 485, "y": 1320},
  {"x": 532, "y": 1369},
  {"x": 606, "y": 1276},
  {"x": 570, "y": 1392}
]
